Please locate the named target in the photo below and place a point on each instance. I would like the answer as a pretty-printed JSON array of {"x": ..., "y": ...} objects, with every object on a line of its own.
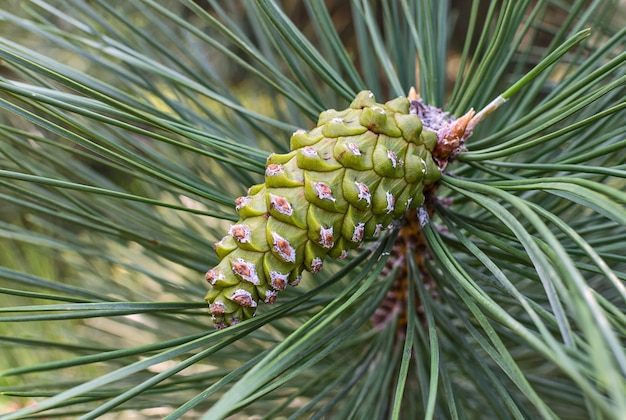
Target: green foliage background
[{"x": 128, "y": 128}]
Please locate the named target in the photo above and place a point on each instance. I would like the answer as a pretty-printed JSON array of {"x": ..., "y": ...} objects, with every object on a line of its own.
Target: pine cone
[{"x": 344, "y": 181}]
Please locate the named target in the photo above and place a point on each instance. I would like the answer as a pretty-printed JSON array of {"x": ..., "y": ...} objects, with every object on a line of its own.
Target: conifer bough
[{"x": 344, "y": 181}]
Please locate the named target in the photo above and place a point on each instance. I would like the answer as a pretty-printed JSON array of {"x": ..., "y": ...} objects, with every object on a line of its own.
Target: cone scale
[{"x": 343, "y": 182}]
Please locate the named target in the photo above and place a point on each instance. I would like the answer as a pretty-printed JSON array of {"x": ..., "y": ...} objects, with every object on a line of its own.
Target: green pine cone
[{"x": 344, "y": 181}]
